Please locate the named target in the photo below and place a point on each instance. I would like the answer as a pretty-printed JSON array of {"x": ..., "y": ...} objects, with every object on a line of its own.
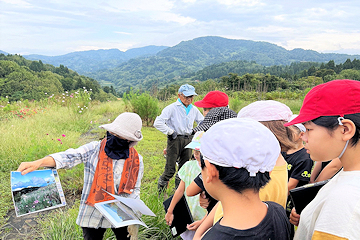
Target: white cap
[
  {"x": 268, "y": 110},
  {"x": 241, "y": 143},
  {"x": 195, "y": 142},
  {"x": 298, "y": 125}
]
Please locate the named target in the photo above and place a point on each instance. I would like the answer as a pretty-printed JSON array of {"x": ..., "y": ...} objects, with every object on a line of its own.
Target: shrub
[{"x": 143, "y": 104}]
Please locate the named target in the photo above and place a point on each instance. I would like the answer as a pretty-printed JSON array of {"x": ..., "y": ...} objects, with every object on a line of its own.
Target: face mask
[{"x": 116, "y": 148}]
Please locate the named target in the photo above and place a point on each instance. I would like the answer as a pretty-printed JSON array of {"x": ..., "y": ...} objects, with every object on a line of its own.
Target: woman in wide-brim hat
[{"x": 112, "y": 164}]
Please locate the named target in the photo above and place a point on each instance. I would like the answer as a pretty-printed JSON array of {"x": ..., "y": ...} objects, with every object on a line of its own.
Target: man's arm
[
  {"x": 199, "y": 117},
  {"x": 160, "y": 121}
]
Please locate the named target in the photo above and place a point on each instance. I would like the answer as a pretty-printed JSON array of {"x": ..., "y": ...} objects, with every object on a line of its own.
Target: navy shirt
[{"x": 275, "y": 226}]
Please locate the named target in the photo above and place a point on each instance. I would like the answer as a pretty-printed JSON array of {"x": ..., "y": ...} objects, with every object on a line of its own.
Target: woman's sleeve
[{"x": 72, "y": 157}]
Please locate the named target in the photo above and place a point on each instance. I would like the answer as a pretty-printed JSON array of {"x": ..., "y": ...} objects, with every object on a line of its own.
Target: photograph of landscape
[
  {"x": 118, "y": 213},
  {"x": 36, "y": 191}
]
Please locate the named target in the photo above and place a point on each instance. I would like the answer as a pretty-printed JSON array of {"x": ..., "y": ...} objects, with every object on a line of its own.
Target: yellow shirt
[{"x": 276, "y": 190}]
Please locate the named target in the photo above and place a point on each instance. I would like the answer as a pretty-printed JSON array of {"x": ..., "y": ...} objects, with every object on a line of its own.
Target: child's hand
[
  {"x": 169, "y": 217},
  {"x": 294, "y": 217},
  {"x": 193, "y": 226},
  {"x": 204, "y": 202}
]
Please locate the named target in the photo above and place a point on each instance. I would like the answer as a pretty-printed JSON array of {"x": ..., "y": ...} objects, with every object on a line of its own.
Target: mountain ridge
[{"x": 163, "y": 65}]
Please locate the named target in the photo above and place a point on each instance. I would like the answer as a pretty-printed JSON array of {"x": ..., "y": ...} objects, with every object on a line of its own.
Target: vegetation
[
  {"x": 32, "y": 130},
  {"x": 22, "y": 79},
  {"x": 143, "y": 104}
]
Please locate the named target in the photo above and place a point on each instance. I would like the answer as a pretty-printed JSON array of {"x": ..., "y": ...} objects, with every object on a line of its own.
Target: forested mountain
[
  {"x": 173, "y": 63},
  {"x": 33, "y": 80},
  {"x": 94, "y": 60},
  {"x": 198, "y": 59}
]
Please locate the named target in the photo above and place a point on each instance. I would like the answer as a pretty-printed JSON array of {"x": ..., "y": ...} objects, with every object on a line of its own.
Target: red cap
[
  {"x": 213, "y": 99},
  {"x": 334, "y": 98}
]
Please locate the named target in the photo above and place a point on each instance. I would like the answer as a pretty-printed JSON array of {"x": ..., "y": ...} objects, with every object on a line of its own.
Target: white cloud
[
  {"x": 280, "y": 18},
  {"x": 60, "y": 26},
  {"x": 137, "y": 5},
  {"x": 271, "y": 30},
  {"x": 19, "y": 3},
  {"x": 172, "y": 17},
  {"x": 243, "y": 3},
  {"x": 125, "y": 33},
  {"x": 327, "y": 41}
]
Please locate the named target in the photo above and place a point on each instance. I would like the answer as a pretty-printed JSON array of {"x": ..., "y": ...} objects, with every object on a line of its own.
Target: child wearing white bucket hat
[
  {"x": 273, "y": 115},
  {"x": 238, "y": 156},
  {"x": 112, "y": 164}
]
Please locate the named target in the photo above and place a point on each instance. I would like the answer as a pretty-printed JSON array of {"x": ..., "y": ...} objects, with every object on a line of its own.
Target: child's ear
[
  {"x": 348, "y": 130},
  {"x": 301, "y": 135},
  {"x": 212, "y": 172}
]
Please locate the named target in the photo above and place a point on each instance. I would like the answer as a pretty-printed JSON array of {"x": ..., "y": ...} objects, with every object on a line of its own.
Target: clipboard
[
  {"x": 302, "y": 196},
  {"x": 182, "y": 216}
]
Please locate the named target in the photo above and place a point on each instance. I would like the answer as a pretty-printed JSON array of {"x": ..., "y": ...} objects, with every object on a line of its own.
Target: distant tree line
[{"x": 295, "y": 77}]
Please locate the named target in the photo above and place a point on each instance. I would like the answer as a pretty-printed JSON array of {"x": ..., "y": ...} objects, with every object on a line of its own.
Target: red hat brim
[
  {"x": 301, "y": 119},
  {"x": 203, "y": 104}
]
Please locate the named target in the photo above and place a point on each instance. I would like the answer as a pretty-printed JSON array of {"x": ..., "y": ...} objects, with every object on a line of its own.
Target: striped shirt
[{"x": 89, "y": 154}]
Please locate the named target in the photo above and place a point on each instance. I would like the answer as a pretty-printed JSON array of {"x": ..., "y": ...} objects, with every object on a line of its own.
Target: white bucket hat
[
  {"x": 127, "y": 125},
  {"x": 241, "y": 143},
  {"x": 268, "y": 110}
]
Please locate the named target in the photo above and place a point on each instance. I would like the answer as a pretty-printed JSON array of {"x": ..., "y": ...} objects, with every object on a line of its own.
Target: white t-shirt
[{"x": 335, "y": 211}]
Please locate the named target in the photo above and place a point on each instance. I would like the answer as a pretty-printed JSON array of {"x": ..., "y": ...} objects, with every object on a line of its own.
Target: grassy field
[{"x": 33, "y": 130}]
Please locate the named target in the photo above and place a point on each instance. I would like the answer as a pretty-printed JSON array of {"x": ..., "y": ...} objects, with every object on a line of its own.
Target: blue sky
[
  {"x": 56, "y": 27},
  {"x": 34, "y": 179}
]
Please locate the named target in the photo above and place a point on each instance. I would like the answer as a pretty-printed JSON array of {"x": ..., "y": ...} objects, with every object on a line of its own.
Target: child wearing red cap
[
  {"x": 215, "y": 109},
  {"x": 332, "y": 130}
]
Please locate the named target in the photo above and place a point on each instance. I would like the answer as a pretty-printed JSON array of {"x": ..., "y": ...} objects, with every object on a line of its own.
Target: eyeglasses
[{"x": 187, "y": 97}]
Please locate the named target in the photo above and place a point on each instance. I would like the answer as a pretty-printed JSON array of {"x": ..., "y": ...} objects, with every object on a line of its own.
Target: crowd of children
[{"x": 249, "y": 174}]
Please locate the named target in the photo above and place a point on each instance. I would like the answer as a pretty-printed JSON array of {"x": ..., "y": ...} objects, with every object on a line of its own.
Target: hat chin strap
[{"x": 343, "y": 151}]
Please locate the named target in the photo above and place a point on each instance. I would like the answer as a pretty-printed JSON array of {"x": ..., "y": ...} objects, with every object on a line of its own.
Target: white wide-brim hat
[
  {"x": 241, "y": 143},
  {"x": 127, "y": 125}
]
